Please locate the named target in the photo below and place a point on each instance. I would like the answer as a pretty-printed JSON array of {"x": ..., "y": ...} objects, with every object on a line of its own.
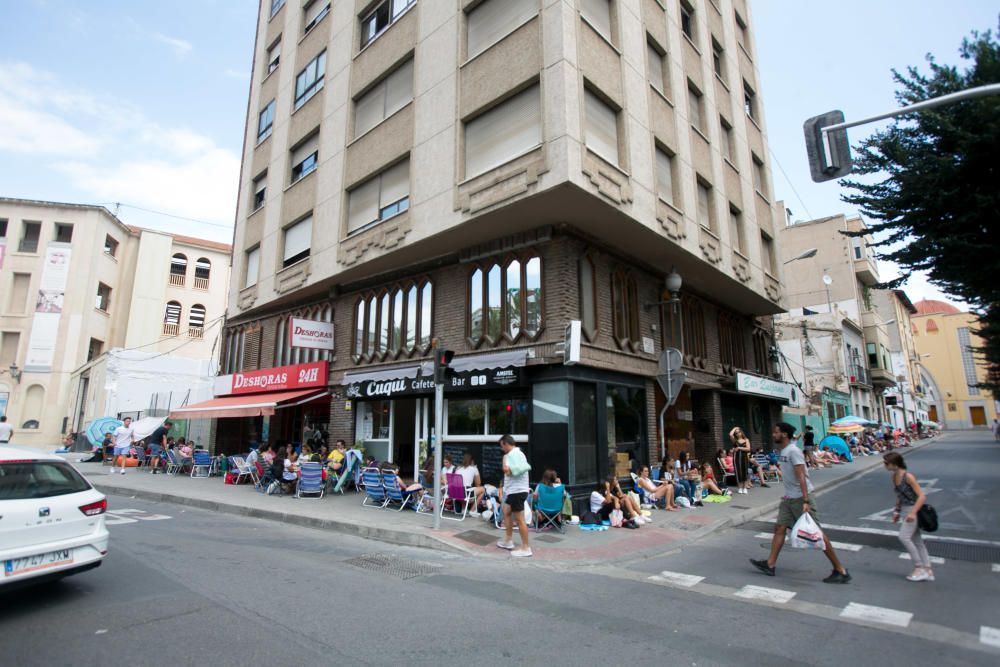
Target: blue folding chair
[
  {"x": 374, "y": 491},
  {"x": 394, "y": 494},
  {"x": 310, "y": 481},
  {"x": 549, "y": 507},
  {"x": 203, "y": 464}
]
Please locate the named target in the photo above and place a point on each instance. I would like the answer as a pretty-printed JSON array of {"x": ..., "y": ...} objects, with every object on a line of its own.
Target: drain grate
[
  {"x": 476, "y": 537},
  {"x": 393, "y": 566}
]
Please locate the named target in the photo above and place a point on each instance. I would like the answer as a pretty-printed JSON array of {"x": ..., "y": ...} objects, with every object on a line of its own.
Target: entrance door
[
  {"x": 932, "y": 413},
  {"x": 403, "y": 434},
  {"x": 977, "y": 414}
]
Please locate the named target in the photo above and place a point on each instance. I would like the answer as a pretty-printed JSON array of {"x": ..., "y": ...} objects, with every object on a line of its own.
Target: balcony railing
[
  {"x": 177, "y": 279},
  {"x": 196, "y": 332},
  {"x": 859, "y": 375},
  {"x": 171, "y": 329},
  {"x": 200, "y": 283}
]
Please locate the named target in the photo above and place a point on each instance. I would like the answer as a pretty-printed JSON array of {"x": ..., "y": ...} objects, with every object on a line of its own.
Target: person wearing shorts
[
  {"x": 796, "y": 501},
  {"x": 123, "y": 437},
  {"x": 516, "y": 491}
]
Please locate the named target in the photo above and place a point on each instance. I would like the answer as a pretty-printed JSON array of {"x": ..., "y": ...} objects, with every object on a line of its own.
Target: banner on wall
[
  {"x": 48, "y": 309},
  {"x": 311, "y": 334}
]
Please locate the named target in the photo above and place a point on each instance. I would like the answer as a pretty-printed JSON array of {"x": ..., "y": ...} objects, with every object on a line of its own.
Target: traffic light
[
  {"x": 829, "y": 156},
  {"x": 441, "y": 360}
]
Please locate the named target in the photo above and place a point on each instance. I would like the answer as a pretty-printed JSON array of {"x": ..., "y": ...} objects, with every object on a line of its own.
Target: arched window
[
  {"x": 505, "y": 300},
  {"x": 393, "y": 323},
  {"x": 932, "y": 326},
  {"x": 196, "y": 321},
  {"x": 625, "y": 308},
  {"x": 202, "y": 271},
  {"x": 172, "y": 319},
  {"x": 178, "y": 269},
  {"x": 34, "y": 404}
]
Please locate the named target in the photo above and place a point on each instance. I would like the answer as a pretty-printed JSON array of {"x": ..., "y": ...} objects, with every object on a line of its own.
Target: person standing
[
  {"x": 911, "y": 497},
  {"x": 996, "y": 429},
  {"x": 124, "y": 437},
  {"x": 796, "y": 501},
  {"x": 158, "y": 445},
  {"x": 741, "y": 459},
  {"x": 6, "y": 431},
  {"x": 515, "y": 487},
  {"x": 809, "y": 447}
]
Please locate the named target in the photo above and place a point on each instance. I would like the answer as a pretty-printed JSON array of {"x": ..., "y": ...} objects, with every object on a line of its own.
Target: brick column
[{"x": 707, "y": 405}]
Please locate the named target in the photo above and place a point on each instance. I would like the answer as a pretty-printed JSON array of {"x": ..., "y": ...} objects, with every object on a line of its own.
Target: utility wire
[
  {"x": 794, "y": 191},
  {"x": 207, "y": 325},
  {"x": 168, "y": 215}
]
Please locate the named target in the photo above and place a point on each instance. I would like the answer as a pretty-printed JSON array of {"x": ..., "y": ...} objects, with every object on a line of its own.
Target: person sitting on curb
[
  {"x": 708, "y": 480},
  {"x": 629, "y": 507}
]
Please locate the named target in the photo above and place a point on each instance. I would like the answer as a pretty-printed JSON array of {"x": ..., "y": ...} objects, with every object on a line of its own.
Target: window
[
  {"x": 718, "y": 60},
  {"x": 736, "y": 230},
  {"x": 103, "y": 297},
  {"x": 9, "y": 342},
  {"x": 490, "y": 417},
  {"x": 856, "y": 247},
  {"x": 394, "y": 321},
  {"x": 696, "y": 108},
  {"x": 305, "y": 158},
  {"x": 196, "y": 321},
  {"x": 767, "y": 253},
  {"x": 505, "y": 300},
  {"x": 273, "y": 56},
  {"x": 259, "y": 191},
  {"x": 94, "y": 349},
  {"x": 202, "y": 272},
  {"x": 276, "y": 5},
  {"x": 3, "y": 228},
  {"x": 298, "y": 241},
  {"x": 598, "y": 14},
  {"x": 759, "y": 180},
  {"x": 588, "y": 297},
  {"x": 968, "y": 362},
  {"x": 387, "y": 97},
  {"x": 493, "y": 20},
  {"x": 18, "y": 301},
  {"x": 625, "y": 307},
  {"x": 310, "y": 80},
  {"x": 313, "y": 13},
  {"x": 110, "y": 245},
  {"x": 172, "y": 318},
  {"x": 693, "y": 322},
  {"x": 253, "y": 267},
  {"x": 379, "y": 198},
  {"x": 64, "y": 233},
  {"x": 30, "y": 231},
  {"x": 178, "y": 270},
  {"x": 284, "y": 353},
  {"x": 687, "y": 22},
  {"x": 601, "y": 127},
  {"x": 265, "y": 121},
  {"x": 728, "y": 141},
  {"x": 666, "y": 177},
  {"x": 504, "y": 132},
  {"x": 380, "y": 18},
  {"x": 742, "y": 34},
  {"x": 749, "y": 101},
  {"x": 872, "y": 350},
  {"x": 657, "y": 68},
  {"x": 732, "y": 345},
  {"x": 706, "y": 211}
]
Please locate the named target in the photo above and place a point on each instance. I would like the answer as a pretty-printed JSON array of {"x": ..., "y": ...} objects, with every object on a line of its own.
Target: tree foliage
[{"x": 935, "y": 198}]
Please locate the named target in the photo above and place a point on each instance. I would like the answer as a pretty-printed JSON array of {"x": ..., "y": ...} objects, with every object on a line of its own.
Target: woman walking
[
  {"x": 741, "y": 459},
  {"x": 909, "y": 497}
]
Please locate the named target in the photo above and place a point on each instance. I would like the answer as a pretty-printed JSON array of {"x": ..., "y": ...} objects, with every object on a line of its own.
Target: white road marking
[
  {"x": 114, "y": 520},
  {"x": 989, "y": 636},
  {"x": 935, "y": 560},
  {"x": 995, "y": 567},
  {"x": 677, "y": 578},
  {"x": 101, "y": 632},
  {"x": 843, "y": 546},
  {"x": 766, "y": 594},
  {"x": 868, "y": 613},
  {"x": 123, "y": 516},
  {"x": 895, "y": 533}
]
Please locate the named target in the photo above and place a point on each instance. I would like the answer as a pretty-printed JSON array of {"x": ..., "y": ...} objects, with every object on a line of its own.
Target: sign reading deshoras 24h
[
  {"x": 280, "y": 378},
  {"x": 761, "y": 386},
  {"x": 312, "y": 334}
]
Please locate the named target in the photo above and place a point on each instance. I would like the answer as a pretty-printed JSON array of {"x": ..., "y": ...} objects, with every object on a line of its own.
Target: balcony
[
  {"x": 200, "y": 283},
  {"x": 866, "y": 271},
  {"x": 171, "y": 329},
  {"x": 882, "y": 378},
  {"x": 196, "y": 332},
  {"x": 177, "y": 279},
  {"x": 858, "y": 375}
]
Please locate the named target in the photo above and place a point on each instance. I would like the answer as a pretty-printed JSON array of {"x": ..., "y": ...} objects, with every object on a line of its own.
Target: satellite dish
[{"x": 827, "y": 280}]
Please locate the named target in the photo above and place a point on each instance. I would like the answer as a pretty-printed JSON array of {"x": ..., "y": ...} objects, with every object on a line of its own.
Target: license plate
[{"x": 16, "y": 566}]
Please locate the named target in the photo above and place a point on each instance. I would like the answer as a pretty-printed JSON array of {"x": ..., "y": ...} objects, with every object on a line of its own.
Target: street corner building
[{"x": 484, "y": 174}]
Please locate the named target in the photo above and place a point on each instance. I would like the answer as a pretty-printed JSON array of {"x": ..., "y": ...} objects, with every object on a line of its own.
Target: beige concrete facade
[{"x": 104, "y": 254}]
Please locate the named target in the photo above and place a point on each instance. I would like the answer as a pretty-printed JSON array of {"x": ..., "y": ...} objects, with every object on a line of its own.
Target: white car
[{"x": 51, "y": 518}]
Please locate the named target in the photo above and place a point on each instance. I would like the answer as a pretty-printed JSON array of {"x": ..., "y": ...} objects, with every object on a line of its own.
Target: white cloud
[
  {"x": 24, "y": 130},
  {"x": 181, "y": 47},
  {"x": 242, "y": 75}
]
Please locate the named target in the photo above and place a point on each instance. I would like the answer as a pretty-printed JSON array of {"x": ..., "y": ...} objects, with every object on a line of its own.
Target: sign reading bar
[
  {"x": 311, "y": 334},
  {"x": 298, "y": 376},
  {"x": 761, "y": 386},
  {"x": 494, "y": 378}
]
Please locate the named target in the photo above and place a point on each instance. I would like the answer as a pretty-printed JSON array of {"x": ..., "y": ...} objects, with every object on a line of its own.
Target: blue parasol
[
  {"x": 837, "y": 446},
  {"x": 98, "y": 427}
]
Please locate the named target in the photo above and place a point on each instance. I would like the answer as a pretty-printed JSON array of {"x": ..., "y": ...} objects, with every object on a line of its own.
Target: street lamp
[
  {"x": 15, "y": 373},
  {"x": 805, "y": 254}
]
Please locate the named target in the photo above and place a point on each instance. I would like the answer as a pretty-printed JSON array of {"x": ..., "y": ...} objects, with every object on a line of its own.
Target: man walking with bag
[
  {"x": 515, "y": 489},
  {"x": 796, "y": 501}
]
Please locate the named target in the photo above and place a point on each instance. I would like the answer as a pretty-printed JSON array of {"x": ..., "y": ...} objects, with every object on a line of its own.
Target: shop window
[
  {"x": 505, "y": 301},
  {"x": 625, "y": 414},
  {"x": 393, "y": 323},
  {"x": 376, "y": 418},
  {"x": 491, "y": 417},
  {"x": 625, "y": 306},
  {"x": 583, "y": 453}
]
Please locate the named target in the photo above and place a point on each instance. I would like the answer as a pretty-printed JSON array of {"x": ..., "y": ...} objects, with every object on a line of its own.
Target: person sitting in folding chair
[
  {"x": 549, "y": 502},
  {"x": 653, "y": 492}
]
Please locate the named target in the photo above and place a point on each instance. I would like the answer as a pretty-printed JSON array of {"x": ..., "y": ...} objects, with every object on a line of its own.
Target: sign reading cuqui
[
  {"x": 762, "y": 386},
  {"x": 493, "y": 378}
]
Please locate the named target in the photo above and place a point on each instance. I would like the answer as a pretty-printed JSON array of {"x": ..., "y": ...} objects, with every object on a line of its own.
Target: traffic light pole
[{"x": 438, "y": 444}]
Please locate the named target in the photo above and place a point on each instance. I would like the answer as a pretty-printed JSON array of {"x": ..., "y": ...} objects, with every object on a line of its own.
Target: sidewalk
[{"x": 473, "y": 536}]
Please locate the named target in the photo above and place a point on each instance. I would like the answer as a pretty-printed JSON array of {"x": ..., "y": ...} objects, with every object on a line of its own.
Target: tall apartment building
[
  {"x": 482, "y": 174},
  {"x": 96, "y": 316},
  {"x": 836, "y": 285}
]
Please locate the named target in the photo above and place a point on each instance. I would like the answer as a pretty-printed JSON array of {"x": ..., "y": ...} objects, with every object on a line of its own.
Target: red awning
[{"x": 253, "y": 405}]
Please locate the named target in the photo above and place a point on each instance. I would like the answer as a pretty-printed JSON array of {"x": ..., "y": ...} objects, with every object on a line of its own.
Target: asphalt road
[{"x": 187, "y": 587}]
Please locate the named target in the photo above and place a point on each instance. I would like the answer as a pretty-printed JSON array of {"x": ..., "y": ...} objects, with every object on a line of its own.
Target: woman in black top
[
  {"x": 741, "y": 459},
  {"x": 911, "y": 497}
]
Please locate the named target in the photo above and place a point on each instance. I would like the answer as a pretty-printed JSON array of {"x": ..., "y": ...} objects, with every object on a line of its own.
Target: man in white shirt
[
  {"x": 123, "y": 437},
  {"x": 515, "y": 489},
  {"x": 797, "y": 501},
  {"x": 6, "y": 431}
]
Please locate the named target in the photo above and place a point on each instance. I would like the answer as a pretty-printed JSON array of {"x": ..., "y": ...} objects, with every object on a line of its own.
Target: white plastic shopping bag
[{"x": 806, "y": 534}]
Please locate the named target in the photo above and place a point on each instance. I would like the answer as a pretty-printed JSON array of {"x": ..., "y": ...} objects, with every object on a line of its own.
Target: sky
[{"x": 137, "y": 103}]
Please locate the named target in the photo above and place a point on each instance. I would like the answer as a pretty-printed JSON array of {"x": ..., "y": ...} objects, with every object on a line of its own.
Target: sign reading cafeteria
[
  {"x": 467, "y": 381},
  {"x": 297, "y": 376},
  {"x": 312, "y": 334}
]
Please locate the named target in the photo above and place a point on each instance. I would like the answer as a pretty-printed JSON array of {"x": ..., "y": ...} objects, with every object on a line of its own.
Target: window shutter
[
  {"x": 395, "y": 183},
  {"x": 253, "y": 267},
  {"x": 601, "y": 128},
  {"x": 368, "y": 110},
  {"x": 598, "y": 13},
  {"x": 399, "y": 88},
  {"x": 655, "y": 63},
  {"x": 305, "y": 149},
  {"x": 503, "y": 132},
  {"x": 362, "y": 205},
  {"x": 251, "y": 349},
  {"x": 664, "y": 176},
  {"x": 298, "y": 238},
  {"x": 493, "y": 19}
]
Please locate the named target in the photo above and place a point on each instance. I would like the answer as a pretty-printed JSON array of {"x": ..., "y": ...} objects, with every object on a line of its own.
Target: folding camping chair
[
  {"x": 395, "y": 495},
  {"x": 239, "y": 466},
  {"x": 374, "y": 491},
  {"x": 728, "y": 478},
  {"x": 310, "y": 481},
  {"x": 549, "y": 507},
  {"x": 456, "y": 492},
  {"x": 767, "y": 472},
  {"x": 203, "y": 464}
]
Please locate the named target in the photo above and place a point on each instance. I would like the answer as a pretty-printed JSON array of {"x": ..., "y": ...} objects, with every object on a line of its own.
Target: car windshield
[{"x": 39, "y": 479}]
